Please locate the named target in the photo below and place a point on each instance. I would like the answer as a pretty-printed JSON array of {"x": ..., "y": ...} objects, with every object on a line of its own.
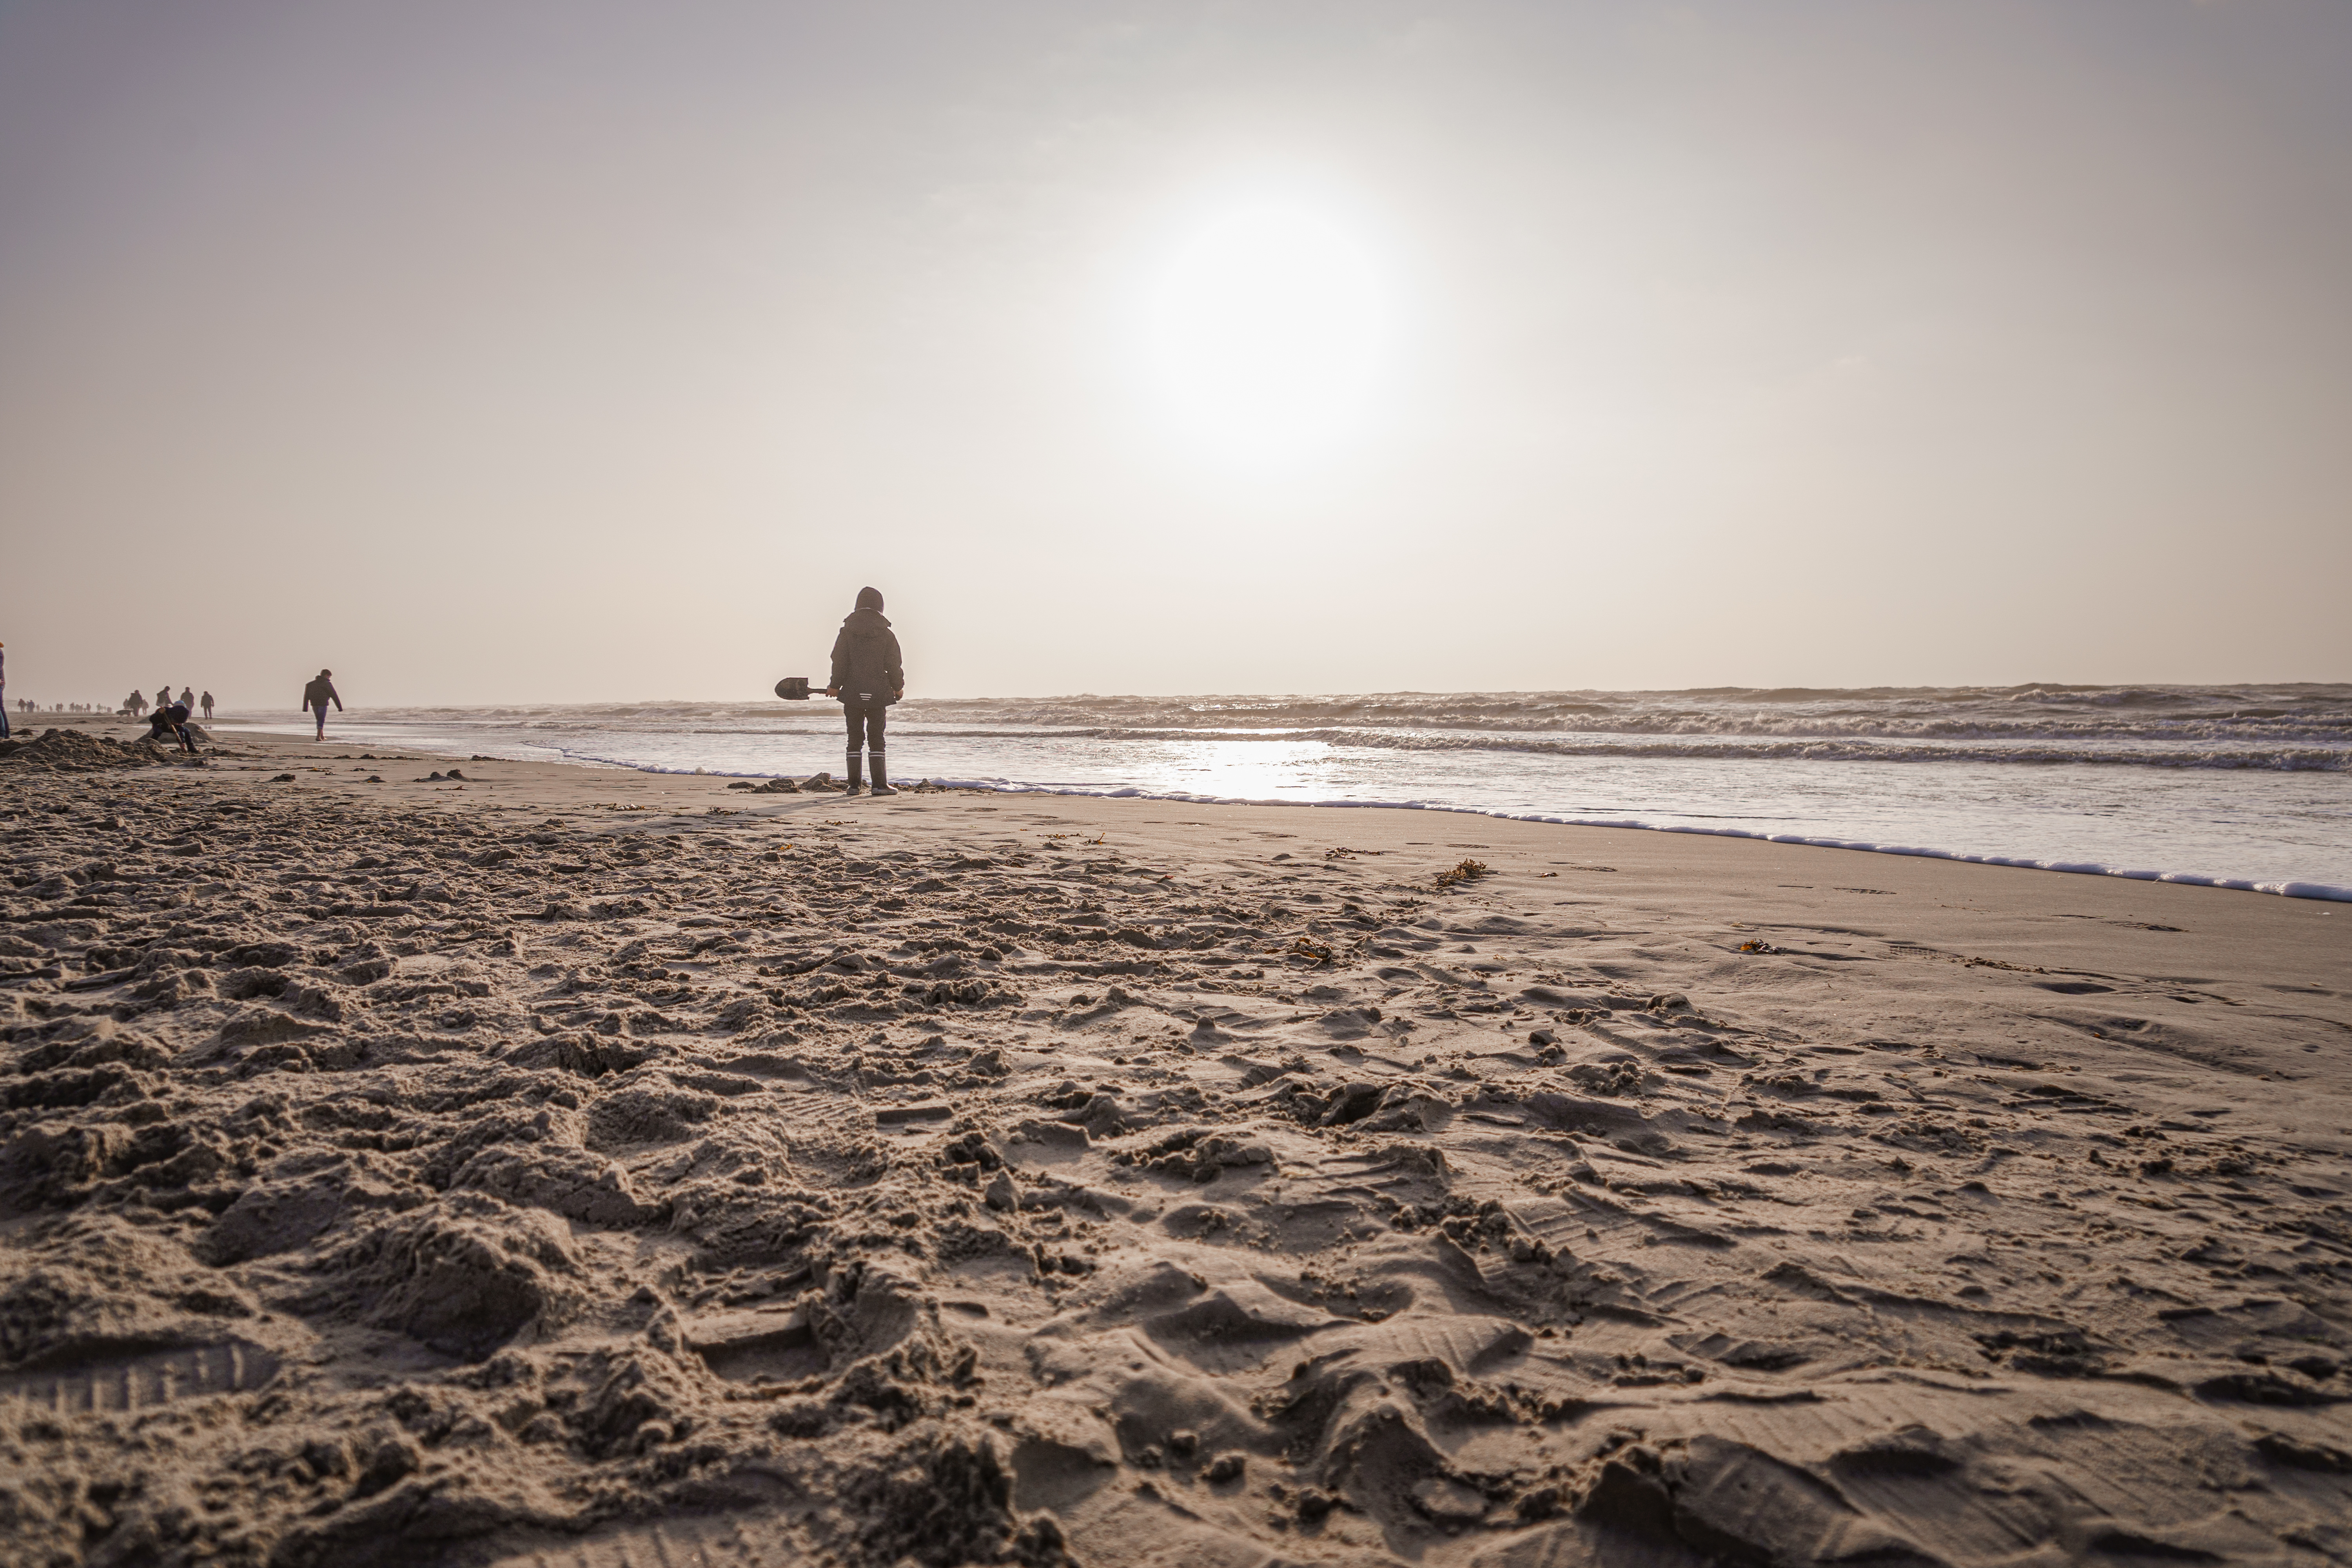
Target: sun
[{"x": 1268, "y": 334}]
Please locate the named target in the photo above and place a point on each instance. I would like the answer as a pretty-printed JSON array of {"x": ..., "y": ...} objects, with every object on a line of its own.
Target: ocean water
[{"x": 2244, "y": 786}]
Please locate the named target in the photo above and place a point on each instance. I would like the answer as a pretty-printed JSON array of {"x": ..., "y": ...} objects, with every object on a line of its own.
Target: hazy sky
[{"x": 579, "y": 351}]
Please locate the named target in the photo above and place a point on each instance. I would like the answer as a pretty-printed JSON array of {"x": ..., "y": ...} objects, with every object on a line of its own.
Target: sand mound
[
  {"x": 94, "y": 1287},
  {"x": 78, "y": 751},
  {"x": 568, "y": 1182},
  {"x": 463, "y": 1275}
]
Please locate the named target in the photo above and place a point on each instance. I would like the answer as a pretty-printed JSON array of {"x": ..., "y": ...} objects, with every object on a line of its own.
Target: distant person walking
[
  {"x": 867, "y": 677},
  {"x": 170, "y": 719},
  {"x": 317, "y": 695},
  {"x": 187, "y": 699},
  {"x": 208, "y": 707},
  {"x": 136, "y": 703},
  {"x": 4, "y": 691}
]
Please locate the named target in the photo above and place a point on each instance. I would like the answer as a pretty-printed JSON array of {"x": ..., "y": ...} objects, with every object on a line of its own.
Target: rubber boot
[
  {"x": 853, "y": 774},
  {"x": 881, "y": 774}
]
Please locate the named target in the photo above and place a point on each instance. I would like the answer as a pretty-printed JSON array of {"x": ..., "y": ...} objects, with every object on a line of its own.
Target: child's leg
[{"x": 854, "y": 766}]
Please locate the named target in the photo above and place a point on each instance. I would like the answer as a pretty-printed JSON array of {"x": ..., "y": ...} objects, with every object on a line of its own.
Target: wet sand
[{"x": 567, "y": 1165}]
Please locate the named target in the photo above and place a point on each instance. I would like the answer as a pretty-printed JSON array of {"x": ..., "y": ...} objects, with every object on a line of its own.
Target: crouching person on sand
[
  {"x": 867, "y": 677},
  {"x": 171, "y": 719}
]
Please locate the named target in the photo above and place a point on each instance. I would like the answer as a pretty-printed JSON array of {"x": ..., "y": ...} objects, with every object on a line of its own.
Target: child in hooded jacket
[{"x": 867, "y": 677}]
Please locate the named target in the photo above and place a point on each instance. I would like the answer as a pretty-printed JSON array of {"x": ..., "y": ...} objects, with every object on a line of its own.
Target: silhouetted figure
[
  {"x": 868, "y": 676},
  {"x": 317, "y": 695},
  {"x": 136, "y": 702},
  {"x": 208, "y": 707},
  {"x": 170, "y": 719},
  {"x": 4, "y": 688},
  {"x": 187, "y": 699}
]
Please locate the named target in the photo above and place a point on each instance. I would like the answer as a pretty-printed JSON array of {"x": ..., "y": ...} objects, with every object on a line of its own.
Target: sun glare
[{"x": 1268, "y": 334}]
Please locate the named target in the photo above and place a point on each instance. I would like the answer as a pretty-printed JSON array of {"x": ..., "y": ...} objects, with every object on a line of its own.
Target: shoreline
[
  {"x": 2282, "y": 888},
  {"x": 2325, "y": 891},
  {"x": 556, "y": 1160}
]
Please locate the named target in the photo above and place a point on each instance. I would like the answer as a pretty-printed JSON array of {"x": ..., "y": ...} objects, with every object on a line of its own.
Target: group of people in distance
[
  {"x": 171, "y": 715},
  {"x": 136, "y": 703},
  {"x": 869, "y": 675}
]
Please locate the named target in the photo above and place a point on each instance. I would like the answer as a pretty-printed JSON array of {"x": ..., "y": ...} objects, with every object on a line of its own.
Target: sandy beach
[{"x": 546, "y": 1164}]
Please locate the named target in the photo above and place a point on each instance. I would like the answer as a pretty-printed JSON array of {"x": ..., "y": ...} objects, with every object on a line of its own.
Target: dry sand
[{"x": 592, "y": 1167}]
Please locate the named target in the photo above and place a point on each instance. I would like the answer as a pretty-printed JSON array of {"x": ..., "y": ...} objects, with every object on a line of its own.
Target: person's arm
[
  {"x": 336, "y": 695},
  {"x": 897, "y": 675},
  {"x": 834, "y": 682}
]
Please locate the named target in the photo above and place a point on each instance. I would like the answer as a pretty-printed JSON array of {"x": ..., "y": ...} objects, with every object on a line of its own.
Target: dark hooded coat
[{"x": 866, "y": 667}]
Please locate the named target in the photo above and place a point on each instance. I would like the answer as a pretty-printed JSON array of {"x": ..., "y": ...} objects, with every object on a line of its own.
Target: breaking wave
[
  {"x": 2295, "y": 728},
  {"x": 2303, "y": 759}
]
